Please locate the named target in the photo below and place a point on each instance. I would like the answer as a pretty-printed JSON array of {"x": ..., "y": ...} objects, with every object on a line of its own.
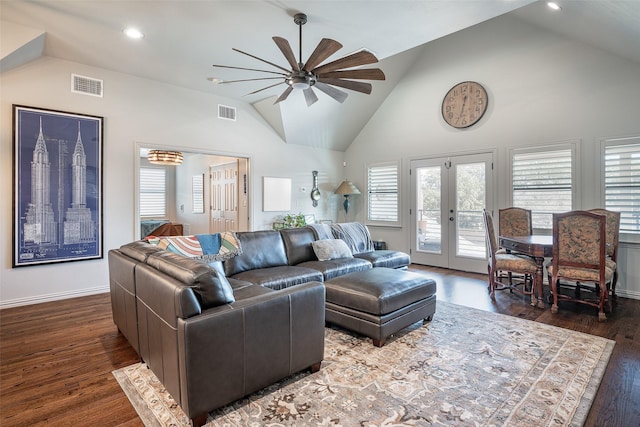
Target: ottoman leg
[{"x": 380, "y": 342}]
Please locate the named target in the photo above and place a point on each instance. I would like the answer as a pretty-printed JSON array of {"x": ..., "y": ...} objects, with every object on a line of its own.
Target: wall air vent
[
  {"x": 226, "y": 113},
  {"x": 86, "y": 85}
]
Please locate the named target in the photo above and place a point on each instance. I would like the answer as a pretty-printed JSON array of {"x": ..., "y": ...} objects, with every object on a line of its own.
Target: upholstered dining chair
[
  {"x": 613, "y": 235},
  {"x": 507, "y": 262},
  {"x": 579, "y": 258},
  {"x": 514, "y": 222}
]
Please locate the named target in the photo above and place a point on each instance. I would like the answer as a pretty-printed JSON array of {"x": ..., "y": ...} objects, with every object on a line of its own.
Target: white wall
[
  {"x": 542, "y": 89},
  {"x": 137, "y": 110}
]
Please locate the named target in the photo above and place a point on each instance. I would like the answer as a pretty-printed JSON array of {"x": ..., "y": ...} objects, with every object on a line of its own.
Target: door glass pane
[
  {"x": 470, "y": 200},
  {"x": 429, "y": 201}
]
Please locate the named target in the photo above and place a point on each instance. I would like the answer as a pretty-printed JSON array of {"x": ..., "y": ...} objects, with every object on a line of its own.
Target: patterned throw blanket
[
  {"x": 205, "y": 247},
  {"x": 356, "y": 236}
]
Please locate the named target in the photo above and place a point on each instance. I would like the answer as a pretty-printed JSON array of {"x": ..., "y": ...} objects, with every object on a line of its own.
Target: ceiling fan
[{"x": 307, "y": 75}]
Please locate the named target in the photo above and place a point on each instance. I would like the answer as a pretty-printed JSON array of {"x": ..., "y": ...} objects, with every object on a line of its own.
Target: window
[
  {"x": 622, "y": 182},
  {"x": 382, "y": 194},
  {"x": 152, "y": 192},
  {"x": 197, "y": 193},
  {"x": 542, "y": 181}
]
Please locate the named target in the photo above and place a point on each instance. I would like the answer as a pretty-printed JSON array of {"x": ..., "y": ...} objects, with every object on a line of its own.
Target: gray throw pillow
[{"x": 329, "y": 249}]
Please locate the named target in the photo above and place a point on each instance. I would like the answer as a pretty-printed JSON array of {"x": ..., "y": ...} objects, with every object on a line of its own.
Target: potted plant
[{"x": 294, "y": 221}]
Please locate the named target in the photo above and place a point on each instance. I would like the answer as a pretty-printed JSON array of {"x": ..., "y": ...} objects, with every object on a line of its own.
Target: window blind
[
  {"x": 152, "y": 192},
  {"x": 542, "y": 182},
  {"x": 622, "y": 184},
  {"x": 382, "y": 189}
]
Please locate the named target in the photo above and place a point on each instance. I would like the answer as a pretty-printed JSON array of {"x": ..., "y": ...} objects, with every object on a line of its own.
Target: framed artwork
[
  {"x": 57, "y": 186},
  {"x": 276, "y": 194}
]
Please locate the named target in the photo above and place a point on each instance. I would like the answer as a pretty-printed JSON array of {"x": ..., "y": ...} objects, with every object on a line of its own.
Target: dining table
[{"x": 538, "y": 247}]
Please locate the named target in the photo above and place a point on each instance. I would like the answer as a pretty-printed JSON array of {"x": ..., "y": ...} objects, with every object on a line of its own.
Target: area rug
[{"x": 465, "y": 368}]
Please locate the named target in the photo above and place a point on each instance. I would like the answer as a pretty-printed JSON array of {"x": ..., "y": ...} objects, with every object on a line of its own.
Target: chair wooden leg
[
  {"x": 492, "y": 284},
  {"x": 554, "y": 290},
  {"x": 604, "y": 297}
]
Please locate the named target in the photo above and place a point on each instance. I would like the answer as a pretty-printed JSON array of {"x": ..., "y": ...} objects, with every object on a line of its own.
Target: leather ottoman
[{"x": 379, "y": 302}]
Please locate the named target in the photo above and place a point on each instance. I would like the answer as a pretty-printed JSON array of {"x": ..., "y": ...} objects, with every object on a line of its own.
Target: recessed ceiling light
[
  {"x": 553, "y": 5},
  {"x": 133, "y": 33},
  {"x": 215, "y": 80}
]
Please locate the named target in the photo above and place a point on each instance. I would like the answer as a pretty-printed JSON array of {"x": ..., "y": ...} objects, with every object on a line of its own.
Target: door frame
[
  {"x": 137, "y": 146},
  {"x": 491, "y": 195}
]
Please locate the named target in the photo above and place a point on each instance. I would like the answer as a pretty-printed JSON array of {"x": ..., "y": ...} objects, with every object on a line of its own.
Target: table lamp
[{"x": 347, "y": 189}]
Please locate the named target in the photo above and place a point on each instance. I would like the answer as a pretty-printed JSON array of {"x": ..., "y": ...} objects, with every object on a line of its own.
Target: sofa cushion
[
  {"x": 212, "y": 289},
  {"x": 280, "y": 277},
  {"x": 297, "y": 243},
  {"x": 260, "y": 249},
  {"x": 329, "y": 249},
  {"x": 337, "y": 267},
  {"x": 386, "y": 258},
  {"x": 139, "y": 250},
  {"x": 249, "y": 291}
]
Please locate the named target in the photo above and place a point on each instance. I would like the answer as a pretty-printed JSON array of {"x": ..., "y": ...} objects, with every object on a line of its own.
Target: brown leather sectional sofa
[{"x": 214, "y": 333}]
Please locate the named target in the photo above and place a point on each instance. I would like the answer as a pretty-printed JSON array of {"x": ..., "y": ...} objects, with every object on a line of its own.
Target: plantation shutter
[
  {"x": 152, "y": 192},
  {"x": 382, "y": 189},
  {"x": 542, "y": 182},
  {"x": 622, "y": 184}
]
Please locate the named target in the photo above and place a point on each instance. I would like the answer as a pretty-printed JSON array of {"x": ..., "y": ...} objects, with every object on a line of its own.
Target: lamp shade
[
  {"x": 347, "y": 187},
  {"x": 163, "y": 157}
]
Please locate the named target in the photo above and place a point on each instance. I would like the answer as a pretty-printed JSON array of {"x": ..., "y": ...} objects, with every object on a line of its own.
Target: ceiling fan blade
[
  {"x": 264, "y": 88},
  {"x": 260, "y": 59},
  {"x": 354, "y": 60},
  {"x": 250, "y": 80},
  {"x": 284, "y": 94},
  {"x": 349, "y": 84},
  {"x": 361, "y": 74},
  {"x": 310, "y": 96},
  {"x": 333, "y": 92},
  {"x": 249, "y": 69},
  {"x": 285, "y": 48},
  {"x": 325, "y": 49}
]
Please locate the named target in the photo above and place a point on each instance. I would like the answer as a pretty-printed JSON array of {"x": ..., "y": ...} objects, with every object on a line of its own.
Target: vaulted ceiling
[{"x": 184, "y": 38}]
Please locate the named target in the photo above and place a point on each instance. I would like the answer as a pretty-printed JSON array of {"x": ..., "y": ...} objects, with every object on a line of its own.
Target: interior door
[
  {"x": 448, "y": 195},
  {"x": 224, "y": 197}
]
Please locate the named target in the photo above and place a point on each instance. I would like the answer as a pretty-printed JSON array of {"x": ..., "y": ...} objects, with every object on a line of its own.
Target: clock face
[{"x": 464, "y": 104}]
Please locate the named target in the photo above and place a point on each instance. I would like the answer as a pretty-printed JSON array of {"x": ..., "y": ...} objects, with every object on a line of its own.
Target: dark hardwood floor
[{"x": 56, "y": 358}]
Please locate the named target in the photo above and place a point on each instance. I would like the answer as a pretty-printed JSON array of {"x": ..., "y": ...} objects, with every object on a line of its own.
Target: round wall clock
[{"x": 464, "y": 104}]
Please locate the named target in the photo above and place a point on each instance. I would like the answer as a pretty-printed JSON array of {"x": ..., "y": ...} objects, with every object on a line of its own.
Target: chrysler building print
[
  {"x": 57, "y": 186},
  {"x": 78, "y": 225},
  {"x": 40, "y": 227}
]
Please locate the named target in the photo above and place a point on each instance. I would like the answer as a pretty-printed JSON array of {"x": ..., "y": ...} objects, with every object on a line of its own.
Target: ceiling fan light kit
[{"x": 305, "y": 76}]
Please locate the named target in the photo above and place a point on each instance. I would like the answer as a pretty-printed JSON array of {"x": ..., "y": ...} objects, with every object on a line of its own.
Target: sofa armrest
[{"x": 230, "y": 351}]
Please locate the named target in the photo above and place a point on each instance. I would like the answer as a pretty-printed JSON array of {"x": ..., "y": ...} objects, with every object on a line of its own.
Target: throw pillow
[{"x": 329, "y": 249}]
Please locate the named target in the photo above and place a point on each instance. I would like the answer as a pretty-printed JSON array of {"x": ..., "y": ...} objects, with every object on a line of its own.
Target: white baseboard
[
  {"x": 18, "y": 302},
  {"x": 628, "y": 294}
]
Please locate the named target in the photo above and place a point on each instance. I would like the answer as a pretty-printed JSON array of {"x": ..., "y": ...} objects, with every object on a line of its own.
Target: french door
[{"x": 448, "y": 195}]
